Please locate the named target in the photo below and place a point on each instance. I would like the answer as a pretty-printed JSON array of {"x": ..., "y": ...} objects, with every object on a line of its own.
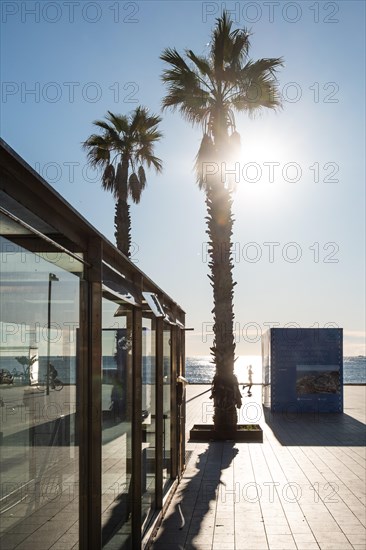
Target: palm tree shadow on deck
[
  {"x": 196, "y": 499},
  {"x": 116, "y": 532},
  {"x": 316, "y": 429}
]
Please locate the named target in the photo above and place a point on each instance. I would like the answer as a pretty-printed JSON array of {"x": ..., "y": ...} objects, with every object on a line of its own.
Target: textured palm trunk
[
  {"x": 225, "y": 391},
  {"x": 122, "y": 218}
]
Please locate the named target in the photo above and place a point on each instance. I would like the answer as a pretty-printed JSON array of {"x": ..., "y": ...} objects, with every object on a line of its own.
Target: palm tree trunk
[
  {"x": 225, "y": 391},
  {"x": 122, "y": 218}
]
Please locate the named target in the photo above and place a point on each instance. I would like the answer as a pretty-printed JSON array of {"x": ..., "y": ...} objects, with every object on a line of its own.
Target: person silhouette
[
  {"x": 117, "y": 400},
  {"x": 250, "y": 380},
  {"x": 53, "y": 376}
]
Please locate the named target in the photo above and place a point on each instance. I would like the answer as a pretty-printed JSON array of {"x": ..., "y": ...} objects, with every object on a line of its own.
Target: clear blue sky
[{"x": 84, "y": 58}]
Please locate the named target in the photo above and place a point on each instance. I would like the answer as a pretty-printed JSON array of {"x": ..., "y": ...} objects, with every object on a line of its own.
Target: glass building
[{"x": 92, "y": 431}]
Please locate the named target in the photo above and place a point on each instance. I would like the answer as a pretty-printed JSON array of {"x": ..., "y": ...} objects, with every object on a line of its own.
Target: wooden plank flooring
[{"x": 303, "y": 488}]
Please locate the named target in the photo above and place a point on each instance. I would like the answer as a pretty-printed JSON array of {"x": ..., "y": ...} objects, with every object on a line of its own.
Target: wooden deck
[{"x": 302, "y": 488}]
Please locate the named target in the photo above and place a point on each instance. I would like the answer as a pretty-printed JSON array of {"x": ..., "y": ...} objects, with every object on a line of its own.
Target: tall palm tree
[
  {"x": 208, "y": 91},
  {"x": 121, "y": 151}
]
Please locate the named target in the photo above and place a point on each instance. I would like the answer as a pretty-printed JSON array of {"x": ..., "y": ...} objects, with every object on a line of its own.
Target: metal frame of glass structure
[{"x": 90, "y": 455}]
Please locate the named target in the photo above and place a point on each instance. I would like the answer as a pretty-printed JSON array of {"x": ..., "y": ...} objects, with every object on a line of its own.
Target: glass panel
[
  {"x": 62, "y": 260},
  {"x": 167, "y": 380},
  {"x": 38, "y": 395},
  {"x": 148, "y": 418},
  {"x": 116, "y": 428}
]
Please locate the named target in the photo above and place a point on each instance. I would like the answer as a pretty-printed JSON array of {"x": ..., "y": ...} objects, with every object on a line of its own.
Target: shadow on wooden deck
[{"x": 316, "y": 429}]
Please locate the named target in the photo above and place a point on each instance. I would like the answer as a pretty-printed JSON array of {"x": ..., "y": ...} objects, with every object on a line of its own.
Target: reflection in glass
[
  {"x": 148, "y": 418},
  {"x": 39, "y": 448},
  {"x": 116, "y": 428},
  {"x": 166, "y": 406}
]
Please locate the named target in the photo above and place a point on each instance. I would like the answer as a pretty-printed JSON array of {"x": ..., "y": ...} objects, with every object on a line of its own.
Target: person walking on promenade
[{"x": 250, "y": 381}]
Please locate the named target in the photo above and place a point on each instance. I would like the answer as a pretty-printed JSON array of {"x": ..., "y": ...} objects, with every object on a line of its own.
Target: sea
[{"x": 200, "y": 370}]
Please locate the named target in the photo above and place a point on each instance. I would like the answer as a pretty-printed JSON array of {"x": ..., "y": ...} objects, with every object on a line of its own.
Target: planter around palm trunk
[{"x": 248, "y": 433}]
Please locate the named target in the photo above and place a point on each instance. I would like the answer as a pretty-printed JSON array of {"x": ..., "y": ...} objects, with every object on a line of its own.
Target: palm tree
[
  {"x": 125, "y": 146},
  {"x": 208, "y": 91}
]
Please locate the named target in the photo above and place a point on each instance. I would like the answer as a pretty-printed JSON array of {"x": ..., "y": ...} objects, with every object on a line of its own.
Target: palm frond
[
  {"x": 190, "y": 107},
  {"x": 222, "y": 43},
  {"x": 201, "y": 63},
  {"x": 110, "y": 132},
  {"x": 142, "y": 177},
  {"x": 221, "y": 82},
  {"x": 108, "y": 178},
  {"x": 137, "y": 119},
  {"x": 97, "y": 150},
  {"x": 185, "y": 87},
  {"x": 104, "y": 125},
  {"x": 213, "y": 88},
  {"x": 258, "y": 86},
  {"x": 171, "y": 56},
  {"x": 240, "y": 47},
  {"x": 150, "y": 136},
  {"x": 134, "y": 188},
  {"x": 184, "y": 79},
  {"x": 94, "y": 140},
  {"x": 150, "y": 160},
  {"x": 151, "y": 121},
  {"x": 125, "y": 142},
  {"x": 205, "y": 161},
  {"x": 266, "y": 66},
  {"x": 120, "y": 122},
  {"x": 192, "y": 102}
]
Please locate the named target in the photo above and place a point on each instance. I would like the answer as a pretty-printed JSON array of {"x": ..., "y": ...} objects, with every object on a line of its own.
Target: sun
[{"x": 265, "y": 164}]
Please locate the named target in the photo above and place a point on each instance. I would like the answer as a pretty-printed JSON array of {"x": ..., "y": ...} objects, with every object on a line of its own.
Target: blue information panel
[{"x": 303, "y": 369}]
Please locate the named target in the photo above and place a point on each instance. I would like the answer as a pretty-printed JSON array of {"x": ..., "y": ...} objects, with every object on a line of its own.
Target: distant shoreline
[{"x": 260, "y": 383}]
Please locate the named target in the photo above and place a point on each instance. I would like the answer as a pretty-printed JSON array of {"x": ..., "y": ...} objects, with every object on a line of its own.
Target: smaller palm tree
[{"x": 125, "y": 146}]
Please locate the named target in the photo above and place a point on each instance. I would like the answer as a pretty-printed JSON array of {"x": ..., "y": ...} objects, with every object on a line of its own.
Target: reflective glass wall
[
  {"x": 38, "y": 398},
  {"x": 89, "y": 353},
  {"x": 148, "y": 416},
  {"x": 116, "y": 374},
  {"x": 167, "y": 412}
]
